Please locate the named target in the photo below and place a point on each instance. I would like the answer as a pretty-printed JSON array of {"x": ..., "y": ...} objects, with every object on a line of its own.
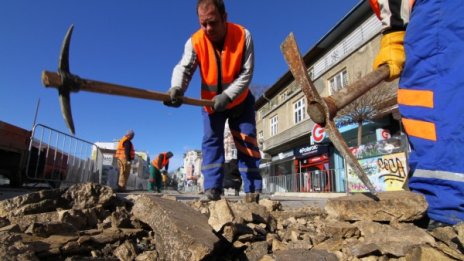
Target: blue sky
[{"x": 135, "y": 43}]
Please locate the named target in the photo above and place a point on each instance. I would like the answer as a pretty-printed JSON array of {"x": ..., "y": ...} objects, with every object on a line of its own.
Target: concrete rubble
[{"x": 89, "y": 222}]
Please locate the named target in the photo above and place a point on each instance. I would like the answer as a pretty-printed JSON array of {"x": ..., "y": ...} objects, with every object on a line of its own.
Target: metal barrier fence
[
  {"x": 61, "y": 159},
  {"x": 314, "y": 181}
]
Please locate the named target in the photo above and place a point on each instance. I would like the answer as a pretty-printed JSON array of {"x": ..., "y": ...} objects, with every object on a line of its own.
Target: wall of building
[
  {"x": 357, "y": 62},
  {"x": 354, "y": 53}
]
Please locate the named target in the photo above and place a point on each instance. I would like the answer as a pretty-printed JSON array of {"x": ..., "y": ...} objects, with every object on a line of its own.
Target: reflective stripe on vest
[
  {"x": 160, "y": 165},
  {"x": 420, "y": 129},
  {"x": 418, "y": 98},
  {"x": 436, "y": 174},
  {"x": 231, "y": 62},
  {"x": 422, "y": 98},
  {"x": 120, "y": 154},
  {"x": 251, "y": 150}
]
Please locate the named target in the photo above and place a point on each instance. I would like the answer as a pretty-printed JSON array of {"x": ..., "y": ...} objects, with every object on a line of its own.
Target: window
[
  {"x": 273, "y": 103},
  {"x": 338, "y": 81},
  {"x": 311, "y": 73},
  {"x": 274, "y": 125},
  {"x": 299, "y": 110},
  {"x": 260, "y": 137}
]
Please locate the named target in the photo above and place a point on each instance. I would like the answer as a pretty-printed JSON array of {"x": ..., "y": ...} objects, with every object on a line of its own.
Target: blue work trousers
[{"x": 242, "y": 124}]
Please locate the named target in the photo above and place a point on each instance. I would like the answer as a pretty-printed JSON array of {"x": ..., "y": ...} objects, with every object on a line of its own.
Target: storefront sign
[
  {"x": 283, "y": 155},
  {"x": 310, "y": 150},
  {"x": 317, "y": 134},
  {"x": 382, "y": 134}
]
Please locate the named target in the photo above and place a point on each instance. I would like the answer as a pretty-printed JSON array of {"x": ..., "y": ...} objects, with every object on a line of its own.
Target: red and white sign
[
  {"x": 317, "y": 133},
  {"x": 382, "y": 134}
]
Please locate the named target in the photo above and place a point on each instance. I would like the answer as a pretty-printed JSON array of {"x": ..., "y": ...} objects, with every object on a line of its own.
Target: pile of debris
[{"x": 89, "y": 222}]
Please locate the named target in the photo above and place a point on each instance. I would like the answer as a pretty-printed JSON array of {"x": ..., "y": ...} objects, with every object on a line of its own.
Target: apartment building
[{"x": 292, "y": 145}]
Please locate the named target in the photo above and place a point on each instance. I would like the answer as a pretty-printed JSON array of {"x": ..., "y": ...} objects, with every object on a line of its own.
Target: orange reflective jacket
[
  {"x": 230, "y": 62},
  {"x": 160, "y": 164},
  {"x": 120, "y": 150}
]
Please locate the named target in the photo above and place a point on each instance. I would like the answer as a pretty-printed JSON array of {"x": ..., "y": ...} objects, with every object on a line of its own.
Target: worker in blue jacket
[{"x": 422, "y": 43}]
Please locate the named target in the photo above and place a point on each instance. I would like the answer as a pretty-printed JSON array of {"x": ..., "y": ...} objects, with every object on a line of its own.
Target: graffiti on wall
[{"x": 386, "y": 172}]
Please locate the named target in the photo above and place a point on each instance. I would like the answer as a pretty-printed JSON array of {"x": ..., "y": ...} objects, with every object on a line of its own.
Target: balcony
[{"x": 287, "y": 137}]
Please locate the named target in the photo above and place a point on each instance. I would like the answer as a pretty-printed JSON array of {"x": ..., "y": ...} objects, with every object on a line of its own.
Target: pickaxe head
[{"x": 68, "y": 84}]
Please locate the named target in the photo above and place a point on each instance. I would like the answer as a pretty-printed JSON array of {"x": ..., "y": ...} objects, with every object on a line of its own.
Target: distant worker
[
  {"x": 157, "y": 164},
  {"x": 125, "y": 153},
  {"x": 422, "y": 43},
  {"x": 225, "y": 55}
]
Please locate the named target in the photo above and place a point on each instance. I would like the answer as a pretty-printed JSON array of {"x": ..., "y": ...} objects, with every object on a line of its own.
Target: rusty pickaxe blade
[
  {"x": 293, "y": 57},
  {"x": 64, "y": 72},
  {"x": 66, "y": 83}
]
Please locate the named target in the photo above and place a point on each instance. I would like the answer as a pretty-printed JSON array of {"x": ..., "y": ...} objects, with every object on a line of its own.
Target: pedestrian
[
  {"x": 125, "y": 153},
  {"x": 156, "y": 166},
  {"x": 225, "y": 55},
  {"x": 423, "y": 43}
]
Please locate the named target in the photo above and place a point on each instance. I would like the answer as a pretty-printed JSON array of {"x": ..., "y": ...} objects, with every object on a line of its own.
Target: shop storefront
[{"x": 312, "y": 169}]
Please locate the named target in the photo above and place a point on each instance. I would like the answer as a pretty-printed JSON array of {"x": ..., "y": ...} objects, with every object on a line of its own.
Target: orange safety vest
[
  {"x": 231, "y": 62},
  {"x": 120, "y": 154},
  {"x": 160, "y": 165}
]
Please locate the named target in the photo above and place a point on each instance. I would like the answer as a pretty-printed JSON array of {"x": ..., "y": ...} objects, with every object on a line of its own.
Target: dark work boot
[
  {"x": 211, "y": 195},
  {"x": 120, "y": 189}
]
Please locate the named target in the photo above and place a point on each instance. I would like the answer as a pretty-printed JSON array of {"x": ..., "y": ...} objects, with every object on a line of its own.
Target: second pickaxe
[
  {"x": 66, "y": 83},
  {"x": 323, "y": 110}
]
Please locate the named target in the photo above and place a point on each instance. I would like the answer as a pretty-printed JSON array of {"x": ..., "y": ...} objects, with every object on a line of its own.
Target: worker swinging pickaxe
[
  {"x": 323, "y": 110},
  {"x": 66, "y": 83}
]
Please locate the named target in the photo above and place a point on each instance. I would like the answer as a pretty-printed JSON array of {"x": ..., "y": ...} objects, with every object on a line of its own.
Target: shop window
[{"x": 282, "y": 168}]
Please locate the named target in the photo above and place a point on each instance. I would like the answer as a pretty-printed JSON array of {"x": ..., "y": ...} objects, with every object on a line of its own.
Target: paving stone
[
  {"x": 393, "y": 206},
  {"x": 183, "y": 233}
]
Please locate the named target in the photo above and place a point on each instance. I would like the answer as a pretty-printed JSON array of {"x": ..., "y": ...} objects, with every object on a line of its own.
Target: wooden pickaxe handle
[
  {"x": 53, "y": 79},
  {"x": 346, "y": 95}
]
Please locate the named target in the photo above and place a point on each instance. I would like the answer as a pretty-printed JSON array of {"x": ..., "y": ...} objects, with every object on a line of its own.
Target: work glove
[
  {"x": 391, "y": 53},
  {"x": 175, "y": 94},
  {"x": 220, "y": 102}
]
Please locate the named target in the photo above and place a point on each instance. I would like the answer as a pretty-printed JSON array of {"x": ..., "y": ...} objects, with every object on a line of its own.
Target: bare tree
[
  {"x": 372, "y": 105},
  {"x": 258, "y": 89}
]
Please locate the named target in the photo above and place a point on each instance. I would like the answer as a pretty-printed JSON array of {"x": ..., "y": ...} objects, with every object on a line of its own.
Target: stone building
[{"x": 296, "y": 148}]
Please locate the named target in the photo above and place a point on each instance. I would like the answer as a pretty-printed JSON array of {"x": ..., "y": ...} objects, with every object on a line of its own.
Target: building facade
[{"x": 297, "y": 154}]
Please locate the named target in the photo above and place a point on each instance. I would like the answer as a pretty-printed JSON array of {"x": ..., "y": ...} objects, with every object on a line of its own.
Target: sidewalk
[
  {"x": 302, "y": 199},
  {"x": 314, "y": 195}
]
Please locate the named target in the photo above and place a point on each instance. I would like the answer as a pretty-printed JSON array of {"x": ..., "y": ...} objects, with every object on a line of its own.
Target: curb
[{"x": 307, "y": 195}]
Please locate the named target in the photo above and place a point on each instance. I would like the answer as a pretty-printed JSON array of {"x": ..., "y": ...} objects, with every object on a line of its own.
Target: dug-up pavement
[{"x": 90, "y": 222}]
